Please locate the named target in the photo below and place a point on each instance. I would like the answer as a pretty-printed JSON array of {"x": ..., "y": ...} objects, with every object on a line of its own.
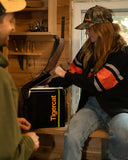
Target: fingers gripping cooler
[{"x": 46, "y": 107}]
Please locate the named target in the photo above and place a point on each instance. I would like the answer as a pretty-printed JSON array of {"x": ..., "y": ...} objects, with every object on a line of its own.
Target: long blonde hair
[{"x": 109, "y": 41}]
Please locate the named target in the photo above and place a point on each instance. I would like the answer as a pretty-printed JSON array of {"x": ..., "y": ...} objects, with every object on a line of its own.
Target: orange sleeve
[{"x": 75, "y": 69}]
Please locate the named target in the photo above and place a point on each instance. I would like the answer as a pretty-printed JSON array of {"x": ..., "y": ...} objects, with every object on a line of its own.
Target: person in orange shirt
[{"x": 100, "y": 69}]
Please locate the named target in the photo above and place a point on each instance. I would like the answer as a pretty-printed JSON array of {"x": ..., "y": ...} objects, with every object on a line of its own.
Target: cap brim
[
  {"x": 84, "y": 25},
  {"x": 13, "y": 5}
]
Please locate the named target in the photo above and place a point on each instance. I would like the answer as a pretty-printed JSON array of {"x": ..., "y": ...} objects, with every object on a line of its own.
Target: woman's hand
[{"x": 60, "y": 72}]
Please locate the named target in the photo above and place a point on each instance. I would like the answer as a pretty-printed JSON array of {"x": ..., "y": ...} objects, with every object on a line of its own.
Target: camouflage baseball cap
[{"x": 94, "y": 15}]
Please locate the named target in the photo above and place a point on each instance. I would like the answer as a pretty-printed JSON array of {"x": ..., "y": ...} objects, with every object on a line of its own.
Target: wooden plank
[
  {"x": 52, "y": 5},
  {"x": 52, "y": 131},
  {"x": 99, "y": 134},
  {"x": 62, "y": 130}
]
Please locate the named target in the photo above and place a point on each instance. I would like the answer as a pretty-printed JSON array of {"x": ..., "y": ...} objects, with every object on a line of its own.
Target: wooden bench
[
  {"x": 103, "y": 135},
  {"x": 62, "y": 130},
  {"x": 97, "y": 134}
]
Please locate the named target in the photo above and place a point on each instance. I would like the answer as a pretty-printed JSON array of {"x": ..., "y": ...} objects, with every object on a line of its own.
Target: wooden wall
[{"x": 34, "y": 64}]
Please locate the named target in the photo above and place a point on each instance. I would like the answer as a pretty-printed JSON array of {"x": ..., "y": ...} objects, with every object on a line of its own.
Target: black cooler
[{"x": 46, "y": 107}]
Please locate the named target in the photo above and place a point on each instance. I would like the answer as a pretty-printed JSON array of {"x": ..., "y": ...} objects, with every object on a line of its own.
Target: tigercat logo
[{"x": 54, "y": 111}]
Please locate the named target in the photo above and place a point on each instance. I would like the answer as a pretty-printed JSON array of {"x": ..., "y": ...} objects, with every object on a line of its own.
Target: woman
[{"x": 100, "y": 70}]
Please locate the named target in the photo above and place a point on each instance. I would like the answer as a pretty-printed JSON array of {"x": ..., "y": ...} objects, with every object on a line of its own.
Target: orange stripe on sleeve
[
  {"x": 106, "y": 78},
  {"x": 75, "y": 69},
  {"x": 90, "y": 74}
]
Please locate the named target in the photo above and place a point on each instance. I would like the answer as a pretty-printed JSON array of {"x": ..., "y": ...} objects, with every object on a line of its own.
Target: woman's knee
[
  {"x": 118, "y": 126},
  {"x": 118, "y": 136}
]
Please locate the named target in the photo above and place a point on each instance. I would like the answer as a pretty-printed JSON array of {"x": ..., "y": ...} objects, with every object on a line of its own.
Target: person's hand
[
  {"x": 24, "y": 124},
  {"x": 60, "y": 72},
  {"x": 35, "y": 139}
]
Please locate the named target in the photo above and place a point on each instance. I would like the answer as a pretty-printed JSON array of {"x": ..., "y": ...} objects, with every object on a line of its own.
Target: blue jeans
[{"x": 89, "y": 119}]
